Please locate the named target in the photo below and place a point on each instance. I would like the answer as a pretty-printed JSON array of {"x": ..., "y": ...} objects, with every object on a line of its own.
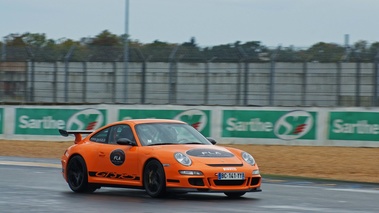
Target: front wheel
[
  {"x": 77, "y": 177},
  {"x": 154, "y": 179},
  {"x": 234, "y": 194}
]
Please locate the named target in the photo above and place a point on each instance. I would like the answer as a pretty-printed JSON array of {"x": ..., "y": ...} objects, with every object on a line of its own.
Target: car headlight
[
  {"x": 182, "y": 159},
  {"x": 248, "y": 158}
]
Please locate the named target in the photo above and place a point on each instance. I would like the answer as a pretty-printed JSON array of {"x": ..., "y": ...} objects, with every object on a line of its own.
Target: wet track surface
[{"x": 36, "y": 185}]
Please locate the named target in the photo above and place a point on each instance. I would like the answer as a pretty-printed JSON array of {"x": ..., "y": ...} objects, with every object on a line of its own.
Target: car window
[
  {"x": 120, "y": 131},
  {"x": 100, "y": 137},
  {"x": 169, "y": 133}
]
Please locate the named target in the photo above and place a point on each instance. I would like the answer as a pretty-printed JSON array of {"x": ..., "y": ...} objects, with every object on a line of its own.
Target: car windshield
[{"x": 169, "y": 133}]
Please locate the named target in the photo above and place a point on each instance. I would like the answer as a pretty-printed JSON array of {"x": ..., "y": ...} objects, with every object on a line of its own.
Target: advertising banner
[
  {"x": 359, "y": 126},
  {"x": 286, "y": 125},
  {"x": 47, "y": 121},
  {"x": 199, "y": 119}
]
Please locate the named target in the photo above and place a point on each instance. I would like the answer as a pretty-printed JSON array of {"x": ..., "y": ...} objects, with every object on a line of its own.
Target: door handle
[{"x": 101, "y": 154}]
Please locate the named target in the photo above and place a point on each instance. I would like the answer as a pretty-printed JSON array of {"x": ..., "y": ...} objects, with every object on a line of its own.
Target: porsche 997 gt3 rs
[{"x": 158, "y": 156}]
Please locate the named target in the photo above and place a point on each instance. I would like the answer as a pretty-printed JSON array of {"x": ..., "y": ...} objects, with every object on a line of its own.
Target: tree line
[{"x": 107, "y": 46}]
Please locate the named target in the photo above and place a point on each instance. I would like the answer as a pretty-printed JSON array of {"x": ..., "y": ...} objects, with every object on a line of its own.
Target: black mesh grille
[
  {"x": 196, "y": 181},
  {"x": 228, "y": 182},
  {"x": 255, "y": 181}
]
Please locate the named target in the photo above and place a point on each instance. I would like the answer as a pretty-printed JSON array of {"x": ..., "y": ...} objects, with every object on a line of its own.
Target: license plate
[{"x": 231, "y": 176}]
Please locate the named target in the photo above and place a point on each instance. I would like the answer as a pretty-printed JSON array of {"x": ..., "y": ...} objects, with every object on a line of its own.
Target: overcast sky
[{"x": 301, "y": 23}]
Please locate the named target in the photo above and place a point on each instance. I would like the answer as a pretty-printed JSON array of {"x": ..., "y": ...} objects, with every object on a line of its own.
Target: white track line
[
  {"x": 375, "y": 191},
  {"x": 18, "y": 163}
]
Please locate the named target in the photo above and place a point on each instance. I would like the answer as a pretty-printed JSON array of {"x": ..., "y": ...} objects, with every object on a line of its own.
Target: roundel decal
[
  {"x": 293, "y": 125},
  {"x": 117, "y": 157},
  {"x": 88, "y": 119},
  {"x": 194, "y": 117}
]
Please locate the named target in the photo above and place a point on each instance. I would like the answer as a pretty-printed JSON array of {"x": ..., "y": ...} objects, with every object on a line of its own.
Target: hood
[
  {"x": 207, "y": 154},
  {"x": 214, "y": 156}
]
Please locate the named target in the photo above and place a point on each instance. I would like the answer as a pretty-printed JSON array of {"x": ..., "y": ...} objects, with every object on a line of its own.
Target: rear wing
[{"x": 77, "y": 133}]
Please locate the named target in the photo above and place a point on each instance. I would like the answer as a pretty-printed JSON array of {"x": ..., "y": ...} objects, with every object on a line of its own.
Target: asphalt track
[{"x": 36, "y": 185}]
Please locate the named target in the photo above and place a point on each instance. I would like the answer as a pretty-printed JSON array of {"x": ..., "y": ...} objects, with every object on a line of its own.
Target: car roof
[{"x": 150, "y": 120}]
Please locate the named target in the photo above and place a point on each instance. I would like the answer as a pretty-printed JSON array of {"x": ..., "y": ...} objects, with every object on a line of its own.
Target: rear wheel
[
  {"x": 154, "y": 179},
  {"x": 77, "y": 177},
  {"x": 234, "y": 194}
]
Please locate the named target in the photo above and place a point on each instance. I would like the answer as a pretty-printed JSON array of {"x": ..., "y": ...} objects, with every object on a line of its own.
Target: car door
[{"x": 117, "y": 164}]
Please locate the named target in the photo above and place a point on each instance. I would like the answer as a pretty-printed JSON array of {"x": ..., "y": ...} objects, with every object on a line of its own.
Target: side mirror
[
  {"x": 213, "y": 141},
  {"x": 126, "y": 141}
]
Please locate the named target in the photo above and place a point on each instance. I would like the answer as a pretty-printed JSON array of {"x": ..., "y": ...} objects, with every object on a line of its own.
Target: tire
[
  {"x": 234, "y": 194},
  {"x": 154, "y": 179},
  {"x": 77, "y": 177}
]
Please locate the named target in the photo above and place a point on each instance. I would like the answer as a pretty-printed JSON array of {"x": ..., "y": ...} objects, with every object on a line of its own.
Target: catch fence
[{"x": 186, "y": 77}]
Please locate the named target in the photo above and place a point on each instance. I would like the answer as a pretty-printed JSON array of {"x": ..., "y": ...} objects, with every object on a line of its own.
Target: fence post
[
  {"x": 55, "y": 83},
  {"x": 66, "y": 72},
  {"x": 245, "y": 58},
  {"x": 272, "y": 75},
  {"x": 143, "y": 82},
  {"x": 375, "y": 81},
  {"x": 246, "y": 84},
  {"x": 84, "y": 88},
  {"x": 206, "y": 80},
  {"x": 31, "y": 74},
  {"x": 305, "y": 83},
  {"x": 172, "y": 82},
  {"x": 143, "y": 77},
  {"x": 239, "y": 70},
  {"x": 32, "y": 80},
  {"x": 172, "y": 76},
  {"x": 4, "y": 50},
  {"x": 339, "y": 71},
  {"x": 358, "y": 82},
  {"x": 2, "y": 93},
  {"x": 2, "y": 66},
  {"x": 114, "y": 85},
  {"x": 272, "y": 81},
  {"x": 27, "y": 77}
]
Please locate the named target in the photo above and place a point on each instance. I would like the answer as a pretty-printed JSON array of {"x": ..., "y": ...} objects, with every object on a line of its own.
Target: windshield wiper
[
  {"x": 193, "y": 142},
  {"x": 154, "y": 144}
]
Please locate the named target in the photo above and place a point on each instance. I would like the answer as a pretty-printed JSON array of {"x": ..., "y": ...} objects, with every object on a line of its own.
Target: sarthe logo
[
  {"x": 293, "y": 125},
  {"x": 88, "y": 119},
  {"x": 196, "y": 118}
]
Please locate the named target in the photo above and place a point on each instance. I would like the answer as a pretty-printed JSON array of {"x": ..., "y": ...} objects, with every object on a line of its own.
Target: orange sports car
[{"x": 159, "y": 156}]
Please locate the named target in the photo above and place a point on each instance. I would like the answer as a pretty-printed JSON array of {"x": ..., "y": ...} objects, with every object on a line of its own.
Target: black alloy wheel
[
  {"x": 77, "y": 177},
  {"x": 154, "y": 179}
]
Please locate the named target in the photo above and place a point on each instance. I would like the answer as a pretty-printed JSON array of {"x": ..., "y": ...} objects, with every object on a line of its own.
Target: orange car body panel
[{"x": 102, "y": 171}]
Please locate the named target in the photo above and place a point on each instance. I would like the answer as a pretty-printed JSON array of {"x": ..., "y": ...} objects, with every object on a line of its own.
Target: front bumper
[{"x": 208, "y": 182}]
